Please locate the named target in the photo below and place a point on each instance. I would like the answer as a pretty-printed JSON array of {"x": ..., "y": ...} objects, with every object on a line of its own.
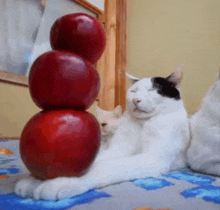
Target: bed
[{"x": 178, "y": 190}]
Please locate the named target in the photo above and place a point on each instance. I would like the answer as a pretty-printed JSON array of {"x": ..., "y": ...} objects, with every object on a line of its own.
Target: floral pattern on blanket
[
  {"x": 152, "y": 183},
  {"x": 193, "y": 186},
  {"x": 192, "y": 178},
  {"x": 208, "y": 193}
]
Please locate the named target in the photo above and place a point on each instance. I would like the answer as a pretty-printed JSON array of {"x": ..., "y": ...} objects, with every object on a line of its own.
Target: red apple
[
  {"x": 79, "y": 33},
  {"x": 56, "y": 143},
  {"x": 60, "y": 79}
]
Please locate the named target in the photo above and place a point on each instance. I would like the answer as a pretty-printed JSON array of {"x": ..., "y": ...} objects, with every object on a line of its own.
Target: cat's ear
[
  {"x": 117, "y": 112},
  {"x": 176, "y": 76},
  {"x": 132, "y": 78}
]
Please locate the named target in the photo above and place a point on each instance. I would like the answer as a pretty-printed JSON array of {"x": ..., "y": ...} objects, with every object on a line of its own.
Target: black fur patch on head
[{"x": 165, "y": 88}]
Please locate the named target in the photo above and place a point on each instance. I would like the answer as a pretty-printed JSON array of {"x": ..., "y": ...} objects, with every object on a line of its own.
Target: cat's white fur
[
  {"x": 151, "y": 140},
  {"x": 204, "y": 152},
  {"x": 108, "y": 121}
]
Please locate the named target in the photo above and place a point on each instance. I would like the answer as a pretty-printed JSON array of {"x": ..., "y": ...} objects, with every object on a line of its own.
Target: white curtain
[{"x": 19, "y": 23}]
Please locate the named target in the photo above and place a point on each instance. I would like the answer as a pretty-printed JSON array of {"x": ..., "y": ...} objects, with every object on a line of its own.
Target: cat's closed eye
[
  {"x": 152, "y": 89},
  {"x": 132, "y": 91}
]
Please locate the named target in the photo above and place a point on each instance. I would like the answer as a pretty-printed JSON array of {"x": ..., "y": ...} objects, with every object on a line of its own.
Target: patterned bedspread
[{"x": 180, "y": 190}]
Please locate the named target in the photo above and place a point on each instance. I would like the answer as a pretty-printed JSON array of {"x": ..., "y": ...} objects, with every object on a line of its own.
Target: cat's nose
[
  {"x": 103, "y": 124},
  {"x": 136, "y": 101}
]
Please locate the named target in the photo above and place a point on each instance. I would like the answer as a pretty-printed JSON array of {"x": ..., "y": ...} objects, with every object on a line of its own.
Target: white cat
[
  {"x": 108, "y": 121},
  {"x": 204, "y": 152},
  {"x": 150, "y": 140}
]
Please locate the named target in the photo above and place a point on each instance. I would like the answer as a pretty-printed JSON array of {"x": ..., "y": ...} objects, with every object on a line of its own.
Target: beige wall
[
  {"x": 16, "y": 108},
  {"x": 162, "y": 34}
]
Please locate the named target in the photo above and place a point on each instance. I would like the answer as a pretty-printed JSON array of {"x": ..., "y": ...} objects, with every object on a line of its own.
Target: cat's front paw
[
  {"x": 25, "y": 187},
  {"x": 59, "y": 188},
  {"x": 55, "y": 189}
]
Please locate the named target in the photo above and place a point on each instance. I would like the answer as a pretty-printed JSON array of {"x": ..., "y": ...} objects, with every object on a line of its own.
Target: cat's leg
[
  {"x": 122, "y": 145},
  {"x": 103, "y": 173},
  {"x": 114, "y": 151},
  {"x": 124, "y": 142}
]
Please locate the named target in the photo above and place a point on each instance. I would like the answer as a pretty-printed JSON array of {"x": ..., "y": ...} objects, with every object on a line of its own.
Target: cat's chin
[{"x": 141, "y": 111}]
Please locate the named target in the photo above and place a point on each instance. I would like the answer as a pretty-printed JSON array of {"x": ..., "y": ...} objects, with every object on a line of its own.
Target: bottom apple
[{"x": 57, "y": 143}]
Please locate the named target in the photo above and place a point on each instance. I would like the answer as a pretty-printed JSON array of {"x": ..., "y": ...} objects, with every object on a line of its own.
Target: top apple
[{"x": 79, "y": 33}]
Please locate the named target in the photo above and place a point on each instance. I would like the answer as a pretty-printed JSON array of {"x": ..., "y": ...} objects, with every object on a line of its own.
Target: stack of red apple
[{"x": 63, "y": 139}]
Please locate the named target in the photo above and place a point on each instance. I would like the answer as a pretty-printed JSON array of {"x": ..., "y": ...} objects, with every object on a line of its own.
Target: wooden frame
[
  {"x": 12, "y": 78},
  {"x": 112, "y": 65},
  {"x": 90, "y": 7},
  {"x": 121, "y": 56},
  {"x": 107, "y": 73}
]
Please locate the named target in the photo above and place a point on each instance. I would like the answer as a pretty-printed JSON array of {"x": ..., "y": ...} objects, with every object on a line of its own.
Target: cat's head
[
  {"x": 108, "y": 120},
  {"x": 148, "y": 96}
]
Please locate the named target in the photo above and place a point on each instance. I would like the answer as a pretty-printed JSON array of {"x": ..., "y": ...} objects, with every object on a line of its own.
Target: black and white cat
[
  {"x": 151, "y": 140},
  {"x": 204, "y": 152}
]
